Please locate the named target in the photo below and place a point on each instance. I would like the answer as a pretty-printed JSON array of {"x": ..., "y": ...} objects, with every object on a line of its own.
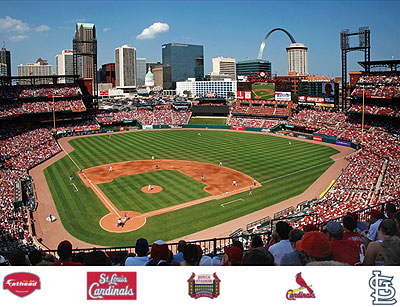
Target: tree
[
  {"x": 187, "y": 93},
  {"x": 230, "y": 95}
]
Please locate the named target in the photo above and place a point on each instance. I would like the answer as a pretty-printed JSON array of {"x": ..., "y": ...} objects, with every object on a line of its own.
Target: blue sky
[{"x": 36, "y": 29}]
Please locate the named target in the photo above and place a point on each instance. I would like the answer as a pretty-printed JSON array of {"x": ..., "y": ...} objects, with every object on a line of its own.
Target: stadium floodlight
[{"x": 344, "y": 39}]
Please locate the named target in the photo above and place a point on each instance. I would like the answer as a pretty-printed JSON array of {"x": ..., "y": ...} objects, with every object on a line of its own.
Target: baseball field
[{"x": 179, "y": 202}]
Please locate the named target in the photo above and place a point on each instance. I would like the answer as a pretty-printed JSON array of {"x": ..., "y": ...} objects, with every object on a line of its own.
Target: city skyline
[{"x": 227, "y": 29}]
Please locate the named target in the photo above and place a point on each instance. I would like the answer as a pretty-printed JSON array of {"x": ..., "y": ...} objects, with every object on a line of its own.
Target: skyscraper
[
  {"x": 224, "y": 66},
  {"x": 297, "y": 59},
  {"x": 125, "y": 66},
  {"x": 180, "y": 62},
  {"x": 140, "y": 70},
  {"x": 64, "y": 65},
  {"x": 5, "y": 58},
  {"x": 85, "y": 47}
]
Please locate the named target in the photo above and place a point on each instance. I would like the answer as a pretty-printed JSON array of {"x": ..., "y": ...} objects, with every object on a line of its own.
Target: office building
[
  {"x": 180, "y": 62},
  {"x": 5, "y": 58},
  {"x": 125, "y": 66},
  {"x": 40, "y": 68},
  {"x": 158, "y": 75},
  {"x": 140, "y": 71},
  {"x": 201, "y": 88},
  {"x": 85, "y": 48},
  {"x": 252, "y": 67},
  {"x": 3, "y": 69},
  {"x": 297, "y": 59},
  {"x": 64, "y": 65},
  {"x": 225, "y": 67}
]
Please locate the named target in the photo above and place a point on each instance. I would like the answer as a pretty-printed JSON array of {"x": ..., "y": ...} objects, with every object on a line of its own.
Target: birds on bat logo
[{"x": 304, "y": 291}]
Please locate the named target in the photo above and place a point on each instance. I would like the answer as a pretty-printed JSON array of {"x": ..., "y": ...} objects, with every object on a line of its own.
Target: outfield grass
[
  {"x": 207, "y": 121},
  {"x": 267, "y": 158},
  {"x": 125, "y": 192}
]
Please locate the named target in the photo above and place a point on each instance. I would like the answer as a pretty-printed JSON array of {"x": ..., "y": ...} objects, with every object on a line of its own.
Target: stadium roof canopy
[{"x": 393, "y": 65}]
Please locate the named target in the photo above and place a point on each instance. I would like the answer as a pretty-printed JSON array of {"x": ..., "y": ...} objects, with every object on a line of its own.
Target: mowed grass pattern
[
  {"x": 284, "y": 170},
  {"x": 125, "y": 192}
]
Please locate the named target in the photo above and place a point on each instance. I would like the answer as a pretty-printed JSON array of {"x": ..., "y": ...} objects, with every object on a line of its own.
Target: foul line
[
  {"x": 232, "y": 201},
  {"x": 299, "y": 171},
  {"x": 91, "y": 183},
  {"x": 75, "y": 187}
]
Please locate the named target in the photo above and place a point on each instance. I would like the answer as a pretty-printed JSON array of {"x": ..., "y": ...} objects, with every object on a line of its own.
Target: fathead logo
[
  {"x": 21, "y": 284},
  {"x": 111, "y": 285}
]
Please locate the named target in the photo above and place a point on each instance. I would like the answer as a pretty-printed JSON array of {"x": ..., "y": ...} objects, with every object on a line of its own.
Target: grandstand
[{"x": 371, "y": 180}]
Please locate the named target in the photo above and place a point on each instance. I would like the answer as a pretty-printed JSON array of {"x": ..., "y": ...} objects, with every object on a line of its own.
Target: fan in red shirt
[{"x": 344, "y": 251}]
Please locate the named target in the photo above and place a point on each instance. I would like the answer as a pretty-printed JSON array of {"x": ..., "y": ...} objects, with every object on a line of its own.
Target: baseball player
[
  {"x": 109, "y": 137},
  {"x": 254, "y": 182},
  {"x": 220, "y": 163},
  {"x": 70, "y": 177},
  {"x": 156, "y": 166},
  {"x": 111, "y": 168},
  {"x": 251, "y": 191},
  {"x": 125, "y": 217},
  {"x": 202, "y": 177},
  {"x": 290, "y": 143},
  {"x": 119, "y": 222},
  {"x": 152, "y": 157},
  {"x": 199, "y": 134},
  {"x": 149, "y": 188},
  {"x": 234, "y": 183}
]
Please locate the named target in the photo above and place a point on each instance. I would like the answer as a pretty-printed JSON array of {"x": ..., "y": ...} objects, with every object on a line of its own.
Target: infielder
[
  {"x": 149, "y": 188},
  {"x": 234, "y": 183},
  {"x": 220, "y": 163},
  {"x": 202, "y": 177},
  {"x": 111, "y": 168}
]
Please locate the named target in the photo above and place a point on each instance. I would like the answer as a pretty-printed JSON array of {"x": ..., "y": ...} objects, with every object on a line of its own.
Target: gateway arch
[{"x": 260, "y": 53}]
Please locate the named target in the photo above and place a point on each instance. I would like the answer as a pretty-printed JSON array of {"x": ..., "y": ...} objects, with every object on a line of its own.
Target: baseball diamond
[{"x": 253, "y": 155}]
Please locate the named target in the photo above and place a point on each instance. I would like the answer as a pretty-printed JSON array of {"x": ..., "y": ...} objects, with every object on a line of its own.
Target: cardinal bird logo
[{"x": 292, "y": 295}]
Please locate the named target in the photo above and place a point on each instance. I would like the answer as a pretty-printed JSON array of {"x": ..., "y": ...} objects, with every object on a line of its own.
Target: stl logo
[
  {"x": 21, "y": 284},
  {"x": 384, "y": 291},
  {"x": 111, "y": 285},
  {"x": 204, "y": 285},
  {"x": 292, "y": 295}
]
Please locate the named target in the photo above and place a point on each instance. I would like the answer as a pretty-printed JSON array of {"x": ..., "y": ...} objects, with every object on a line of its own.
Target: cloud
[
  {"x": 18, "y": 38},
  {"x": 42, "y": 28},
  {"x": 106, "y": 29},
  {"x": 10, "y": 24},
  {"x": 153, "y": 30}
]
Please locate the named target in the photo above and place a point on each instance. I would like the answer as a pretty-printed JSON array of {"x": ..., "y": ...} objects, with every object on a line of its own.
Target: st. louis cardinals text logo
[
  {"x": 21, "y": 284},
  {"x": 383, "y": 291},
  {"x": 292, "y": 295},
  {"x": 111, "y": 285}
]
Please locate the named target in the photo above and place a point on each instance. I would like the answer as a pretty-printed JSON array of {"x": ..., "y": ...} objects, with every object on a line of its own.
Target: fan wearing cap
[
  {"x": 233, "y": 256},
  {"x": 159, "y": 253},
  {"x": 344, "y": 251},
  {"x": 142, "y": 249},
  {"x": 316, "y": 245},
  {"x": 375, "y": 221},
  {"x": 64, "y": 251}
]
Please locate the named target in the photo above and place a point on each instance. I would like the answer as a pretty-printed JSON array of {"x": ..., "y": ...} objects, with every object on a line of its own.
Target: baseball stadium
[{"x": 211, "y": 181}]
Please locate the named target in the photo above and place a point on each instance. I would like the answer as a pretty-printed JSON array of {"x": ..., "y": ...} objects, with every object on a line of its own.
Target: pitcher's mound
[{"x": 154, "y": 189}]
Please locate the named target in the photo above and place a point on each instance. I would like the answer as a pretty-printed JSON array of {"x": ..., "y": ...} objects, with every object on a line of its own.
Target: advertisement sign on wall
[
  {"x": 283, "y": 96},
  {"x": 317, "y": 138},
  {"x": 315, "y": 99}
]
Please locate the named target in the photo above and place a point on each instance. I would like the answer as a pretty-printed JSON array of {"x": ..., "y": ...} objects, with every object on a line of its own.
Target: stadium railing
[{"x": 213, "y": 247}]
